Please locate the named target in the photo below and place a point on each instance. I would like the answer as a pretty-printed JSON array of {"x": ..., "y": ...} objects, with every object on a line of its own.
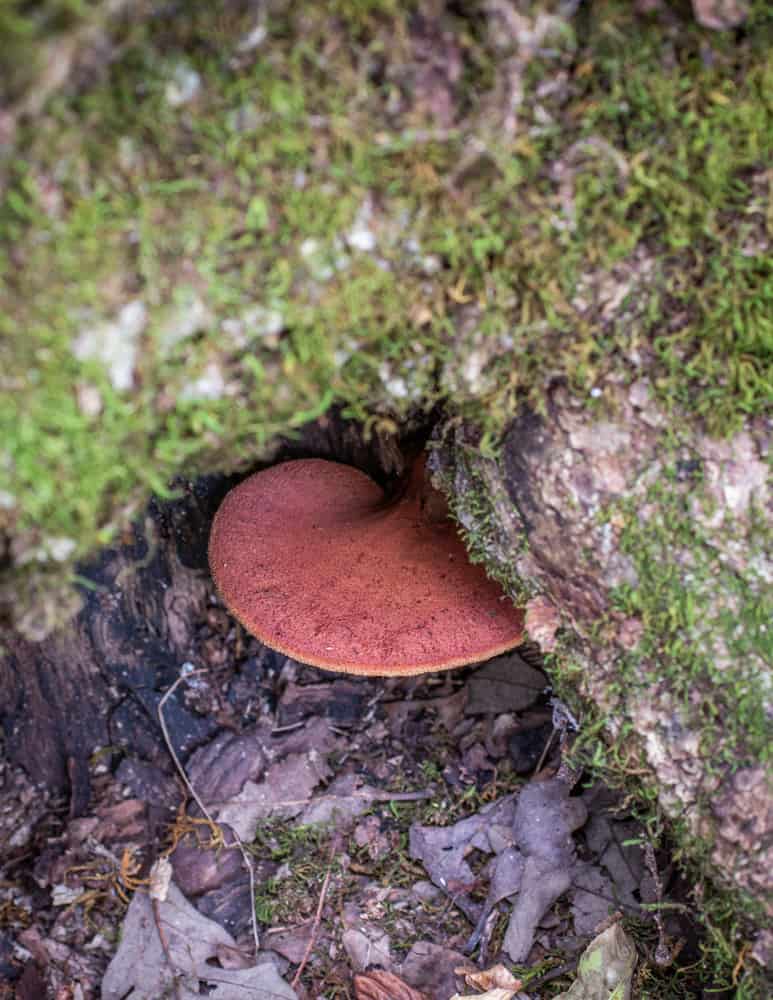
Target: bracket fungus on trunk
[{"x": 316, "y": 562}]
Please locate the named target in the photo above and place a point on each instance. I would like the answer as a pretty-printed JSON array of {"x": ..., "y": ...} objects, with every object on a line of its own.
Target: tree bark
[{"x": 644, "y": 539}]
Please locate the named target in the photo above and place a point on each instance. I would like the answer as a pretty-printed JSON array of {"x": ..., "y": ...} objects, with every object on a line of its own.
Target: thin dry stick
[
  {"x": 545, "y": 750},
  {"x": 663, "y": 955},
  {"x": 181, "y": 771},
  {"x": 165, "y": 947},
  {"x": 317, "y": 917},
  {"x": 562, "y": 720},
  {"x": 376, "y": 795}
]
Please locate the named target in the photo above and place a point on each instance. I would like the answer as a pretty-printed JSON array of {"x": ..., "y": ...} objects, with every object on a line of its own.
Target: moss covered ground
[{"x": 300, "y": 230}]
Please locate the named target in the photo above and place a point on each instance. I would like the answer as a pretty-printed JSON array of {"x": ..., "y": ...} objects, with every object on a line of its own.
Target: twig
[
  {"x": 317, "y": 916},
  {"x": 181, "y": 771},
  {"x": 281, "y": 730},
  {"x": 563, "y": 720},
  {"x": 367, "y": 793},
  {"x": 376, "y": 795},
  {"x": 165, "y": 947},
  {"x": 741, "y": 962},
  {"x": 544, "y": 753},
  {"x": 663, "y": 956},
  {"x": 165, "y": 730}
]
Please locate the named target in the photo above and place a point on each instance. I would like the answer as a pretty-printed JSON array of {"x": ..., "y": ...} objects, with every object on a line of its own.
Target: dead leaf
[
  {"x": 533, "y": 838},
  {"x": 219, "y": 769},
  {"x": 497, "y": 977},
  {"x": 429, "y": 967},
  {"x": 457, "y": 293},
  {"x": 498, "y": 982},
  {"x": 449, "y": 708},
  {"x": 535, "y": 861},
  {"x": 262, "y": 982},
  {"x": 605, "y": 969},
  {"x": 505, "y": 873},
  {"x": 235, "y": 958},
  {"x": 342, "y": 801},
  {"x": 545, "y": 817},
  {"x": 592, "y": 898},
  {"x": 284, "y": 792},
  {"x": 124, "y": 821},
  {"x": 384, "y": 986},
  {"x": 366, "y": 945},
  {"x": 199, "y": 870},
  {"x": 421, "y": 315},
  {"x": 617, "y": 843},
  {"x": 144, "y": 966},
  {"x": 292, "y": 944},
  {"x": 505, "y": 684},
  {"x": 442, "y": 850}
]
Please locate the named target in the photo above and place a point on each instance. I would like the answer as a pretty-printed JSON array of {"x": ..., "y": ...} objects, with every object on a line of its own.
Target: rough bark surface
[
  {"x": 96, "y": 681},
  {"x": 549, "y": 514}
]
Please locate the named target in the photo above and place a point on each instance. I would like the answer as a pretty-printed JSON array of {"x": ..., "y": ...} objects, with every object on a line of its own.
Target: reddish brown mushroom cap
[{"x": 313, "y": 561}]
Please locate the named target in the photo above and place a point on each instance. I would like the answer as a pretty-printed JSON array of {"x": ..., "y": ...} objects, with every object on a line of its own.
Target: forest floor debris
[{"x": 393, "y": 836}]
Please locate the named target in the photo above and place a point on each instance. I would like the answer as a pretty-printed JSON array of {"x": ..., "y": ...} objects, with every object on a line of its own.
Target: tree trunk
[{"x": 645, "y": 539}]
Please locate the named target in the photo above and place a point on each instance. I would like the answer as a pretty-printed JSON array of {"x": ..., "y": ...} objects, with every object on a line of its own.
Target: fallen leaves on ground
[
  {"x": 497, "y": 977},
  {"x": 497, "y": 982},
  {"x": 606, "y": 968},
  {"x": 384, "y": 986},
  {"x": 505, "y": 684},
  {"x": 531, "y": 838},
  {"x": 443, "y": 849},
  {"x": 166, "y": 942},
  {"x": 535, "y": 861},
  {"x": 430, "y": 968},
  {"x": 545, "y": 818}
]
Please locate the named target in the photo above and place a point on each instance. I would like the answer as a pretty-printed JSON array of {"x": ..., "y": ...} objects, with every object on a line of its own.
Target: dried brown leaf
[
  {"x": 171, "y": 942},
  {"x": 505, "y": 684},
  {"x": 384, "y": 986},
  {"x": 497, "y": 977}
]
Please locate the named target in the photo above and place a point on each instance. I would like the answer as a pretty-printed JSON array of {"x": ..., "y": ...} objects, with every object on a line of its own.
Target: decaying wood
[
  {"x": 60, "y": 698},
  {"x": 97, "y": 681}
]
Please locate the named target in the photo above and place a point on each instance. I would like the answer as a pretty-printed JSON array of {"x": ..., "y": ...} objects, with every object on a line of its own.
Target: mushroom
[{"x": 316, "y": 562}]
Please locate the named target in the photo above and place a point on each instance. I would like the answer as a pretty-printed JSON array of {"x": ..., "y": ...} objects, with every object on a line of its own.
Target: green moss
[
  {"x": 24, "y": 27},
  {"x": 116, "y": 195},
  {"x": 306, "y": 852},
  {"x": 706, "y": 625},
  {"x": 484, "y": 517},
  {"x": 705, "y": 644},
  {"x": 624, "y": 223}
]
